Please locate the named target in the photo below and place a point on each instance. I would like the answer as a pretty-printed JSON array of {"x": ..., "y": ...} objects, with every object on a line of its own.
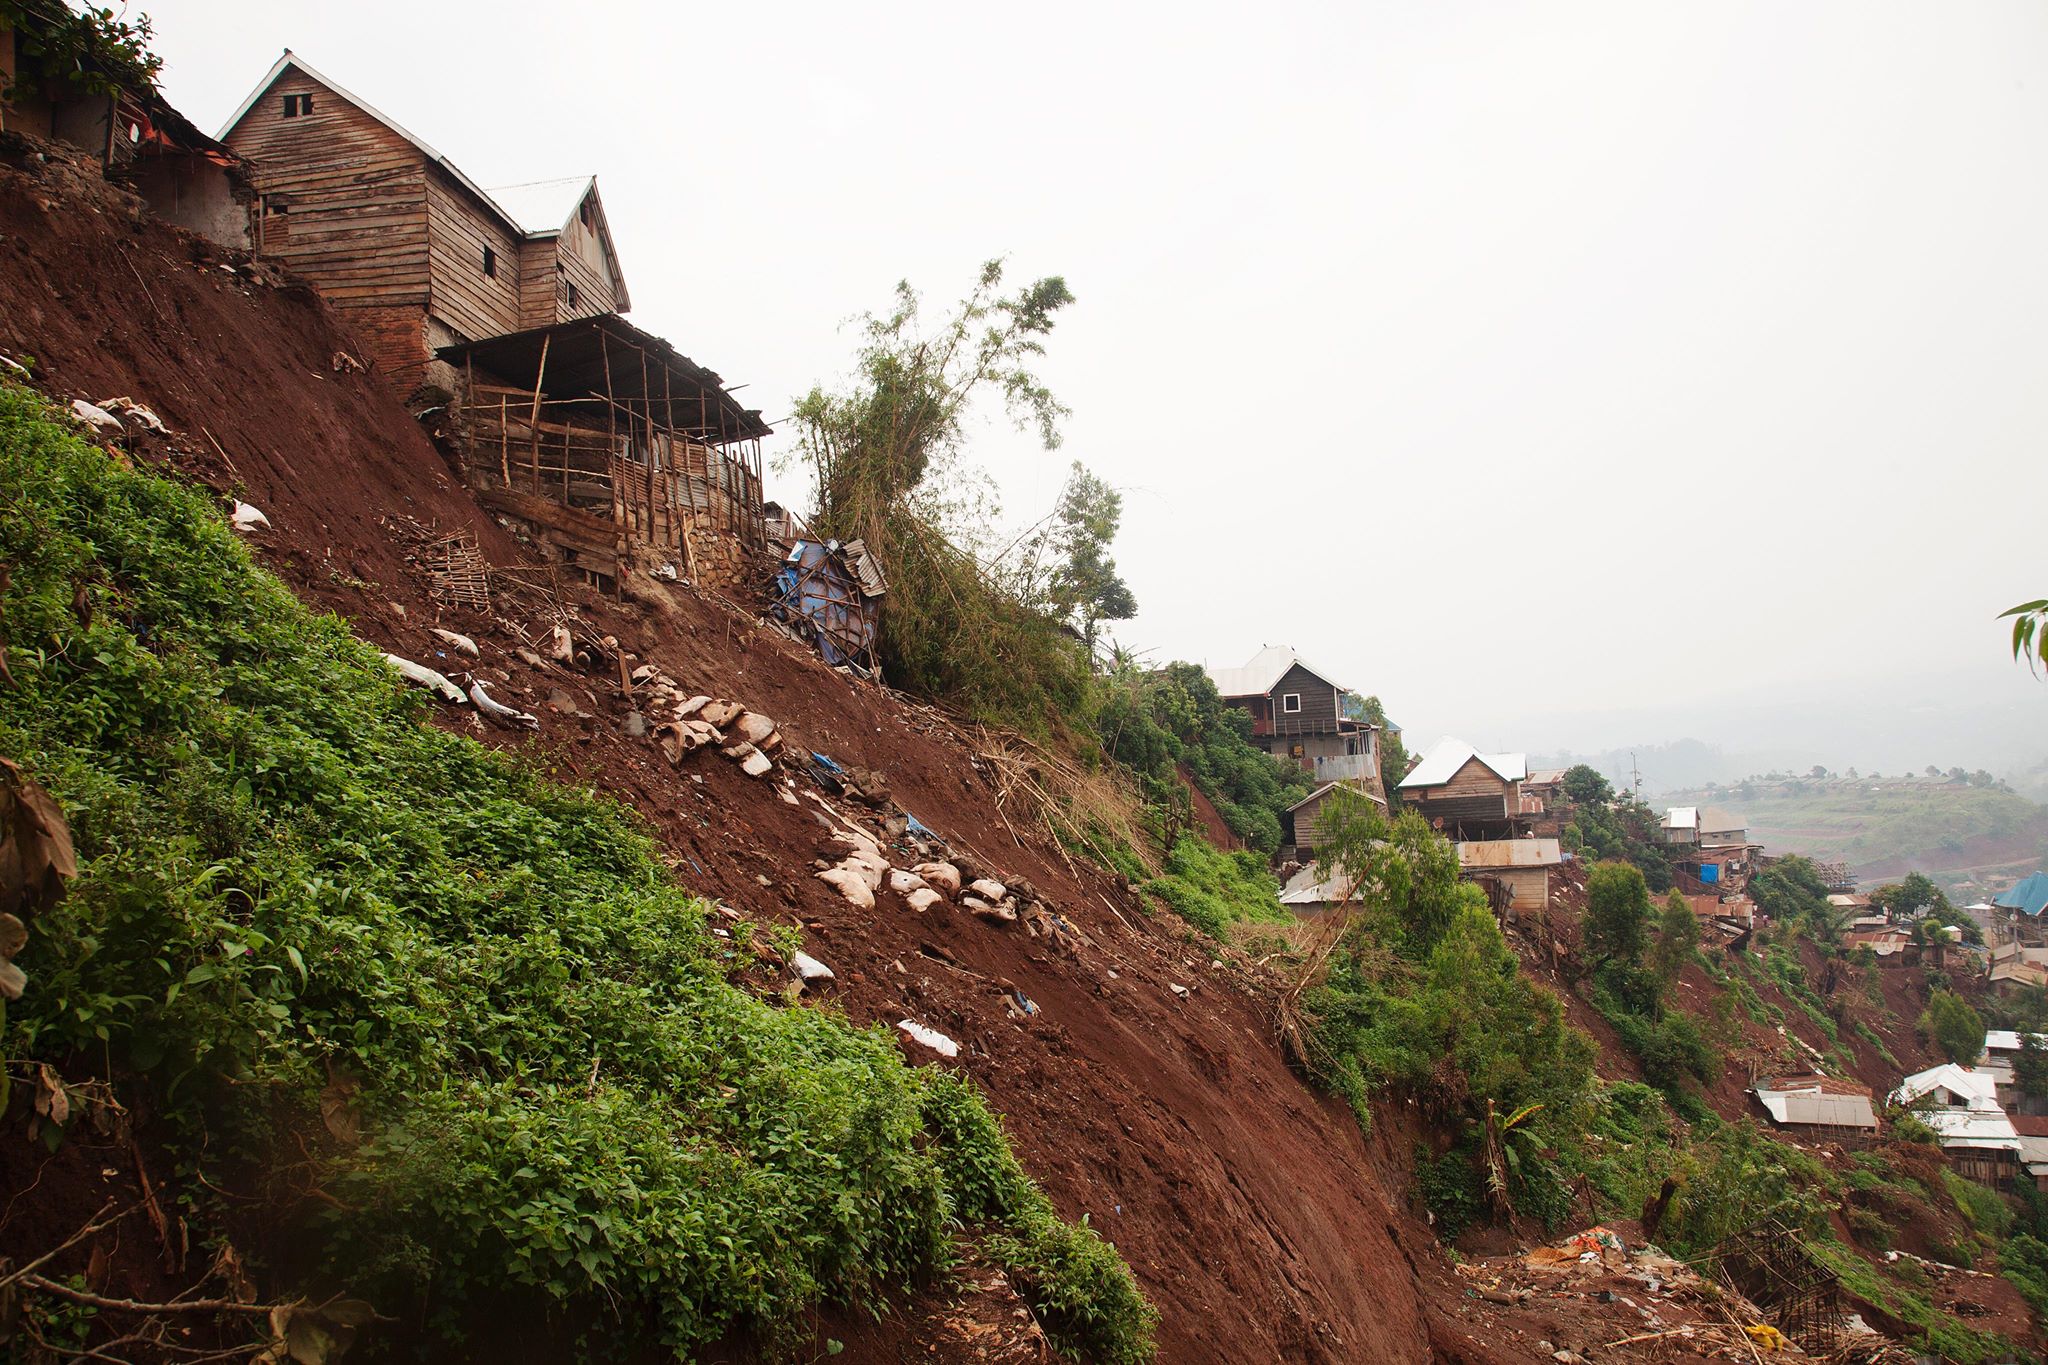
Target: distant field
[{"x": 1965, "y": 837}]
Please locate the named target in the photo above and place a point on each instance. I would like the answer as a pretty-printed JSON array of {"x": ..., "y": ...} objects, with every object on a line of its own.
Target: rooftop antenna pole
[{"x": 1636, "y": 773}]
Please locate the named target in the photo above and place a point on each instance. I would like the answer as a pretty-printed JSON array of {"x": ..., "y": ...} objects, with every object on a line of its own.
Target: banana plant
[{"x": 1503, "y": 1145}]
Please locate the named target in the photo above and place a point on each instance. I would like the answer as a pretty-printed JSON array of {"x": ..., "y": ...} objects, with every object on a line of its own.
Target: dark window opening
[
  {"x": 583, "y": 212},
  {"x": 295, "y": 105},
  {"x": 490, "y": 263},
  {"x": 1290, "y": 702},
  {"x": 572, "y": 296}
]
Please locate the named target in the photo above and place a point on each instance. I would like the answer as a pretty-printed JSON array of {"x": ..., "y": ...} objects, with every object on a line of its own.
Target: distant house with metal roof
[
  {"x": 1682, "y": 825},
  {"x": 1467, "y": 794},
  {"x": 1818, "y": 1108},
  {"x": 1961, "y": 1105},
  {"x": 2026, "y": 897},
  {"x": 1300, "y": 713}
]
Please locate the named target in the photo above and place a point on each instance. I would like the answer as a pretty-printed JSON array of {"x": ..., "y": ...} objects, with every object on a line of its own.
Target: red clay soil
[
  {"x": 1214, "y": 827},
  {"x": 1247, "y": 1204}
]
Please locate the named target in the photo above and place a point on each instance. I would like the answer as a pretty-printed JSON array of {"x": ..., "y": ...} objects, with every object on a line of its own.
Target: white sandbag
[
  {"x": 426, "y": 677},
  {"x": 931, "y": 1038},
  {"x": 247, "y": 518},
  {"x": 943, "y": 876},
  {"x": 989, "y": 890},
  {"x": 98, "y": 418},
  {"x": 461, "y": 644},
  {"x": 497, "y": 710},
  {"x": 809, "y": 968},
  {"x": 849, "y": 882},
  {"x": 923, "y": 899},
  {"x": 903, "y": 883}
]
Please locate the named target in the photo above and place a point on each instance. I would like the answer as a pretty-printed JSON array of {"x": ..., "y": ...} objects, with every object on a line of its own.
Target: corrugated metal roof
[
  {"x": 867, "y": 570},
  {"x": 1972, "y": 1128},
  {"x": 1266, "y": 668},
  {"x": 2029, "y": 897},
  {"x": 1977, "y": 1088},
  {"x": 1447, "y": 755},
  {"x": 1830, "y": 1111},
  {"x": 543, "y": 206},
  {"x": 1509, "y": 853},
  {"x": 1682, "y": 817},
  {"x": 1329, "y": 787}
]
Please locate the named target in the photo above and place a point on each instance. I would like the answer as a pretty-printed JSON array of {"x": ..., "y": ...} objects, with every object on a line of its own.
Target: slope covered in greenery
[{"x": 514, "y": 1050}]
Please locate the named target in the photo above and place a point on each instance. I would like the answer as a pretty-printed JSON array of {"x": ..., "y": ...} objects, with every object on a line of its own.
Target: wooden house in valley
[
  {"x": 1300, "y": 714},
  {"x": 500, "y": 308},
  {"x": 394, "y": 234},
  {"x": 1466, "y": 794}
]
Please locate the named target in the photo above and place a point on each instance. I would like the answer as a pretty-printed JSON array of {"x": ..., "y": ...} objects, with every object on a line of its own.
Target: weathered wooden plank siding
[
  {"x": 459, "y": 231},
  {"x": 1318, "y": 713},
  {"x": 355, "y": 217},
  {"x": 580, "y": 252}
]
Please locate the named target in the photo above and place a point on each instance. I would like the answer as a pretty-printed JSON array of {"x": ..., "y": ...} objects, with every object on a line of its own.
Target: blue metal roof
[{"x": 2029, "y": 897}]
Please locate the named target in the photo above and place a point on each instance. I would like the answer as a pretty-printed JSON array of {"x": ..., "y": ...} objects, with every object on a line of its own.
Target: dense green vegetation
[
  {"x": 1605, "y": 825},
  {"x": 1156, "y": 723},
  {"x": 513, "y": 1048}
]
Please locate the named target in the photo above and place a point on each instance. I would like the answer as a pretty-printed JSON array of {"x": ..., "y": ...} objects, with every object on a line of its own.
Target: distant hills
[{"x": 1974, "y": 839}]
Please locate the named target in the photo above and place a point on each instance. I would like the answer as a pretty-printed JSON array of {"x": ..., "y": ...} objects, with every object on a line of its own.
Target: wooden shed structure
[
  {"x": 617, "y": 450},
  {"x": 1302, "y": 822},
  {"x": 1517, "y": 869},
  {"x": 392, "y": 232}
]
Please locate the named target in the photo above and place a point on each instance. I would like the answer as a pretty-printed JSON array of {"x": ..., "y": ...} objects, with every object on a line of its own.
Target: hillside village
[{"x": 1204, "y": 1024}]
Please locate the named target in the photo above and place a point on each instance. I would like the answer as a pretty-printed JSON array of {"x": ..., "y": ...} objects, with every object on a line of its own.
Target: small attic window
[
  {"x": 490, "y": 264},
  {"x": 583, "y": 212},
  {"x": 1290, "y": 702},
  {"x": 295, "y": 105}
]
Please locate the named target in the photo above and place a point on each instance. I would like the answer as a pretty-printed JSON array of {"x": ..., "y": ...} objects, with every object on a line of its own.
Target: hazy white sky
[{"x": 1568, "y": 374}]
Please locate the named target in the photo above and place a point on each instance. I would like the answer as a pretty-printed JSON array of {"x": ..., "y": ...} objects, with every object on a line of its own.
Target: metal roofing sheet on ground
[{"x": 1828, "y": 1111}]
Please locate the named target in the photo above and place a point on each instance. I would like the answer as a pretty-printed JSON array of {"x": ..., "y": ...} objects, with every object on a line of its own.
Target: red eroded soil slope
[{"x": 1249, "y": 1206}]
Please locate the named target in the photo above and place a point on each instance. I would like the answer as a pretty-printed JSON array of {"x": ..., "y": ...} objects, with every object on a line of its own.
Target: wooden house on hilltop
[
  {"x": 618, "y": 452},
  {"x": 394, "y": 234},
  {"x": 1299, "y": 714}
]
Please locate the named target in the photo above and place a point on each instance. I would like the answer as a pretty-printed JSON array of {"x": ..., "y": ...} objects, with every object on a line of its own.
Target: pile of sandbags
[{"x": 748, "y": 738}]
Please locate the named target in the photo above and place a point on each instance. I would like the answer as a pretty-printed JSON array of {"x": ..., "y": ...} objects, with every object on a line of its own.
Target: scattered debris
[
  {"x": 142, "y": 417},
  {"x": 829, "y": 594},
  {"x": 809, "y": 968}
]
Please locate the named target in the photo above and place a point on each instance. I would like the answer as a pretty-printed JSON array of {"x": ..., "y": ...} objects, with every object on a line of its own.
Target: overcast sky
[{"x": 1567, "y": 374}]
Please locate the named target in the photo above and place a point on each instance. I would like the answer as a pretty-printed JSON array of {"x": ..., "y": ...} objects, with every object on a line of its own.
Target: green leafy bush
[
  {"x": 292, "y": 894},
  {"x": 1213, "y": 890}
]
